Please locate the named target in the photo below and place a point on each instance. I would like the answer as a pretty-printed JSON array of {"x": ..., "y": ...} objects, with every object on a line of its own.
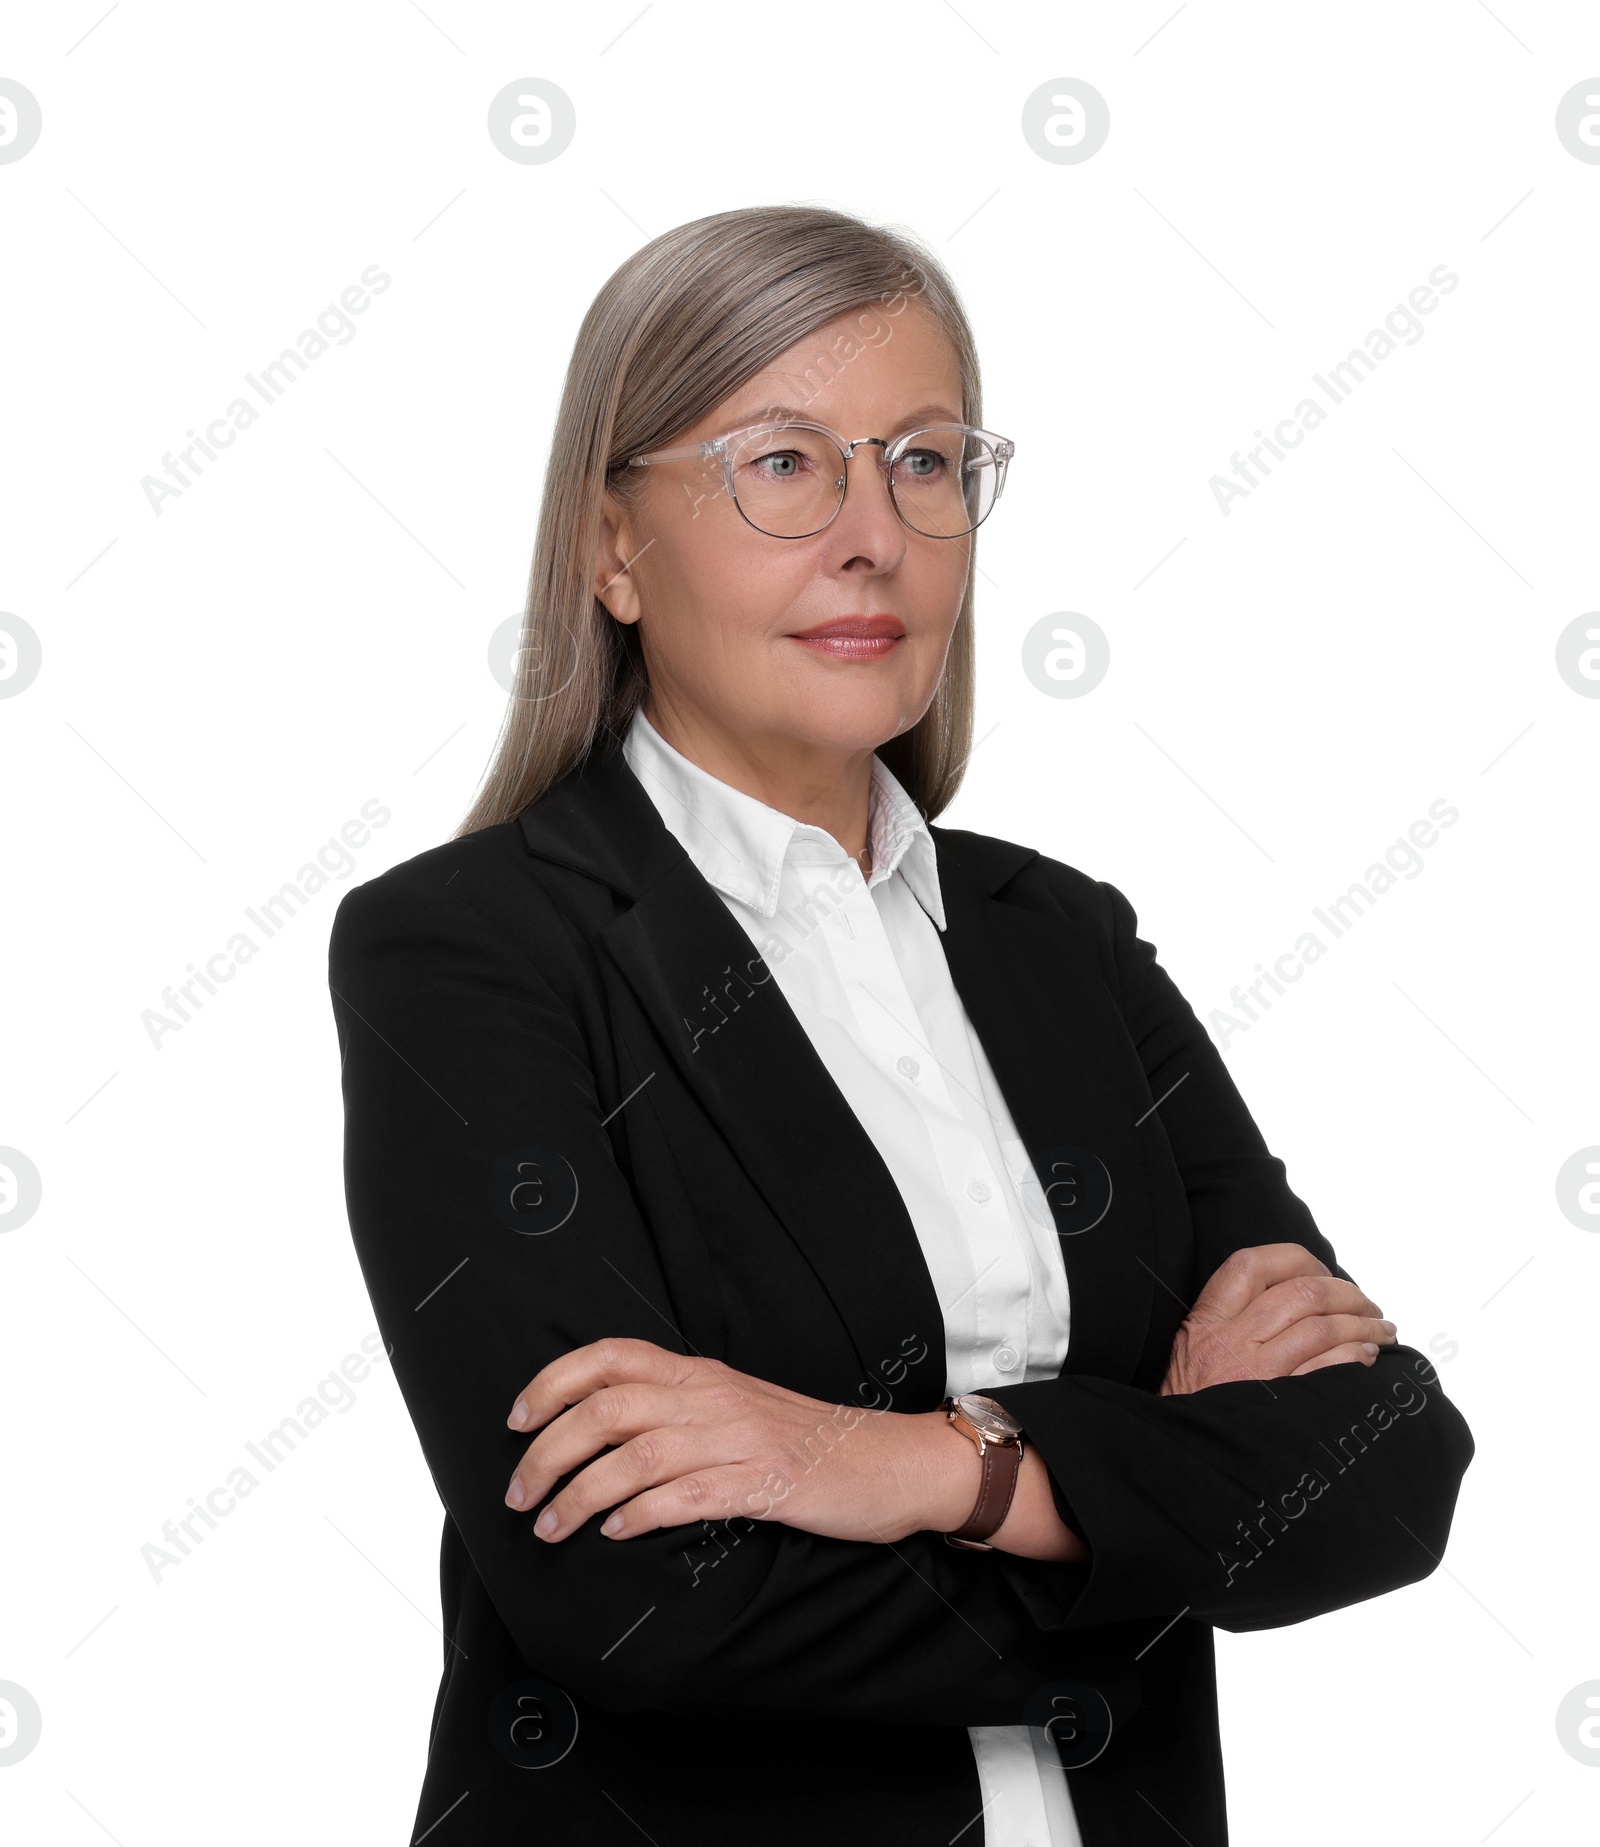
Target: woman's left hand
[{"x": 687, "y": 1439}]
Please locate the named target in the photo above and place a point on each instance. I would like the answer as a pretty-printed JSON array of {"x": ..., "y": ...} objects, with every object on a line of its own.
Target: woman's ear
[{"x": 615, "y": 552}]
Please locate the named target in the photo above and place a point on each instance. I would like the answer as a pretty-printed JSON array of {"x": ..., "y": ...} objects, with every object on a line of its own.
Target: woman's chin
[
  {"x": 851, "y": 707},
  {"x": 861, "y": 726}
]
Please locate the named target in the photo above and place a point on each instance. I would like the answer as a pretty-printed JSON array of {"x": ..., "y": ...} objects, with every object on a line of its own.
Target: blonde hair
[{"x": 679, "y": 327}]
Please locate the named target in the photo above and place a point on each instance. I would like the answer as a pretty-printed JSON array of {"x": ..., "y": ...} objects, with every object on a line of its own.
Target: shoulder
[
  {"x": 457, "y": 890},
  {"x": 1103, "y": 919},
  {"x": 491, "y": 852},
  {"x": 1021, "y": 874}
]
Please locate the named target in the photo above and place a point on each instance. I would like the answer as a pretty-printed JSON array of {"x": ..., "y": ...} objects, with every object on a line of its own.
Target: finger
[
  {"x": 1366, "y": 1353},
  {"x": 1314, "y": 1334},
  {"x": 584, "y": 1370},
  {"x": 1241, "y": 1277},
  {"x": 702, "y": 1494},
  {"x": 644, "y": 1462},
  {"x": 1287, "y": 1302},
  {"x": 610, "y": 1416}
]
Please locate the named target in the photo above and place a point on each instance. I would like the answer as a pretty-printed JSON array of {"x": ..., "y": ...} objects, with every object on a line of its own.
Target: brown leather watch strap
[{"x": 1002, "y": 1464}]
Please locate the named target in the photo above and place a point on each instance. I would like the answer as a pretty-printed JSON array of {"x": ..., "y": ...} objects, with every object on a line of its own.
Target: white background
[{"x": 305, "y": 629}]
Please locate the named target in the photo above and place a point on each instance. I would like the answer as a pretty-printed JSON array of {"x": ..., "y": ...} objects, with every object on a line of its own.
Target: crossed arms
[{"x": 1302, "y": 1481}]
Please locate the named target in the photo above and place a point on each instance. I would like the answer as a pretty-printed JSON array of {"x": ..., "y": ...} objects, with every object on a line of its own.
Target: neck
[{"x": 830, "y": 789}]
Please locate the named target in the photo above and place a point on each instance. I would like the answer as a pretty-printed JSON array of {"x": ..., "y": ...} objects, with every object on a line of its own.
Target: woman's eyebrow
[{"x": 924, "y": 413}]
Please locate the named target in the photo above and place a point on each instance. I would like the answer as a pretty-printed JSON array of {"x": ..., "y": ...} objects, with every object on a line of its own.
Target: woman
[{"x": 902, "y": 1346}]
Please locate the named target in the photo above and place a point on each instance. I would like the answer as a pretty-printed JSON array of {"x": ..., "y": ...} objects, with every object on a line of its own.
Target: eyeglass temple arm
[{"x": 681, "y": 453}]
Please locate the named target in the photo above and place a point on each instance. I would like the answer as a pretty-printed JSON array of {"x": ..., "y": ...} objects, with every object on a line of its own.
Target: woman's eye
[
  {"x": 923, "y": 462},
  {"x": 786, "y": 464}
]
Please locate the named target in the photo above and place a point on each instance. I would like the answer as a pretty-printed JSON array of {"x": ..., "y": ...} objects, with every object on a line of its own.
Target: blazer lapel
[
  {"x": 735, "y": 1042},
  {"x": 1032, "y": 986}
]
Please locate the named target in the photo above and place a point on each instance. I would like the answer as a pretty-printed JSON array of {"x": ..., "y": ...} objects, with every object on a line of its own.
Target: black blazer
[{"x": 577, "y": 1105}]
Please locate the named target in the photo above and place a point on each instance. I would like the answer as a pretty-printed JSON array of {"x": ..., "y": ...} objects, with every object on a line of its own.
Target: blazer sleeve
[
  {"x": 455, "y": 1049},
  {"x": 1252, "y": 1503}
]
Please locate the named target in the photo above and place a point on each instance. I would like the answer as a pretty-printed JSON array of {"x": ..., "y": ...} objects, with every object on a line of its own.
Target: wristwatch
[{"x": 998, "y": 1437}]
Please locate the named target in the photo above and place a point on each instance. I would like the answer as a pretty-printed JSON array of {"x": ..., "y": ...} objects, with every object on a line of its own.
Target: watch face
[{"x": 991, "y": 1419}]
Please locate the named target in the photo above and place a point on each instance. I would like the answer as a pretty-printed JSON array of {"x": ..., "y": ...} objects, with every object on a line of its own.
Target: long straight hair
[{"x": 680, "y": 326}]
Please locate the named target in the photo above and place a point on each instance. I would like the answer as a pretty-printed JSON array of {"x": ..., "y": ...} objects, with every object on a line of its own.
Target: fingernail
[
  {"x": 613, "y": 1524},
  {"x": 546, "y": 1523},
  {"x": 515, "y": 1494},
  {"x": 1390, "y": 1327},
  {"x": 518, "y": 1419},
  {"x": 1369, "y": 1346}
]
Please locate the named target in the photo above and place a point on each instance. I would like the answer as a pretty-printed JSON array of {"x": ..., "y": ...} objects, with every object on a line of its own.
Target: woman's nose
[{"x": 869, "y": 509}]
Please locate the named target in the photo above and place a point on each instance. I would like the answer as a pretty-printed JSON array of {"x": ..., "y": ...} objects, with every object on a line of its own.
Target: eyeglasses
[{"x": 789, "y": 479}]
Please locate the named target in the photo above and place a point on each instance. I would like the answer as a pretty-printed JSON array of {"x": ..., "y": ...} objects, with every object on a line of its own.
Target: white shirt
[{"x": 861, "y": 965}]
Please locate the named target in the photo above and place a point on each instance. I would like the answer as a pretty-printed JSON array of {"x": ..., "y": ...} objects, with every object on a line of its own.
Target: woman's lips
[
  {"x": 849, "y": 647},
  {"x": 854, "y": 638}
]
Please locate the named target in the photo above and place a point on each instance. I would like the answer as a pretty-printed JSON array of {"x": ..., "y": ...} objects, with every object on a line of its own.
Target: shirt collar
[{"x": 740, "y": 845}]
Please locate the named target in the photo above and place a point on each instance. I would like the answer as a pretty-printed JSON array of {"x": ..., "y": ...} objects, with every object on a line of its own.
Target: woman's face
[{"x": 721, "y": 606}]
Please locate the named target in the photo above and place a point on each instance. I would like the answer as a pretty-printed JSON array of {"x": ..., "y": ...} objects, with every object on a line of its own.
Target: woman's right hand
[{"x": 1270, "y": 1311}]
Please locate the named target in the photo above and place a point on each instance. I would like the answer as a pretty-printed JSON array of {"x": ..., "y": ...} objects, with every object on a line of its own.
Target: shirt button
[
  {"x": 1005, "y": 1359},
  {"x": 908, "y": 1066},
  {"x": 978, "y": 1190}
]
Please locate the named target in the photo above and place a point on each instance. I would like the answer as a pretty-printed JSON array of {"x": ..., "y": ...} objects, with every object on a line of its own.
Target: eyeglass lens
[{"x": 790, "y": 481}]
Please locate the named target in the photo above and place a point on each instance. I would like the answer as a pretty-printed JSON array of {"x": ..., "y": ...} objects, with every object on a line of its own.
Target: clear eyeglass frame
[{"x": 720, "y": 448}]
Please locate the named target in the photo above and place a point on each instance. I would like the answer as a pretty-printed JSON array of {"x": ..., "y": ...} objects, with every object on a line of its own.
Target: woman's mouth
[{"x": 854, "y": 638}]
